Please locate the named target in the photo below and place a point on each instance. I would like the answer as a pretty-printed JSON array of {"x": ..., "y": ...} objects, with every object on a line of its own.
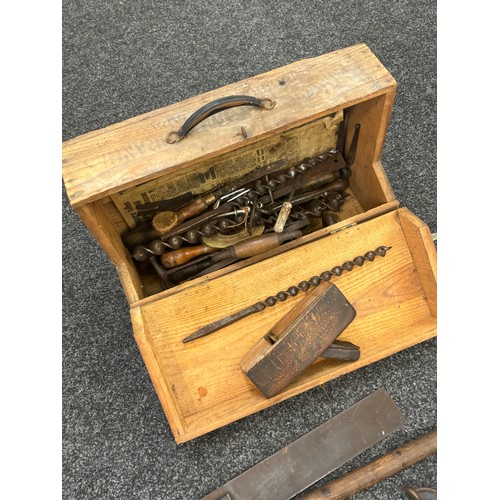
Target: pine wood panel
[
  {"x": 125, "y": 154},
  {"x": 424, "y": 254},
  {"x": 162, "y": 387},
  {"x": 99, "y": 224},
  {"x": 204, "y": 376}
]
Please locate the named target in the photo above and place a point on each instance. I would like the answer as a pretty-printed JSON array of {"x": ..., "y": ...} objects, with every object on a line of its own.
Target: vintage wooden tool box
[{"x": 112, "y": 174}]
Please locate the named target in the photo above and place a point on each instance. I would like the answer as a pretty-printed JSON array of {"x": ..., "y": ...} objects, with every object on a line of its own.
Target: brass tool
[{"x": 291, "y": 292}]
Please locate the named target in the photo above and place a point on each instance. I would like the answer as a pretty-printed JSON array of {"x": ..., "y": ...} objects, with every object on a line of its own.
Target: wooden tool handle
[
  {"x": 195, "y": 207},
  {"x": 378, "y": 470},
  {"x": 165, "y": 222},
  {"x": 183, "y": 255},
  {"x": 256, "y": 245}
]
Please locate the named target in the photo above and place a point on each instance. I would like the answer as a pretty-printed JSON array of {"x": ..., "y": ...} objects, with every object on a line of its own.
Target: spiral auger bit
[{"x": 283, "y": 295}]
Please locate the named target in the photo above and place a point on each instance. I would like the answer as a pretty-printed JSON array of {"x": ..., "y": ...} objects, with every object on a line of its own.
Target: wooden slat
[
  {"x": 164, "y": 391},
  {"x": 211, "y": 389},
  {"x": 133, "y": 151},
  {"x": 368, "y": 181},
  {"x": 424, "y": 254},
  {"x": 97, "y": 221}
]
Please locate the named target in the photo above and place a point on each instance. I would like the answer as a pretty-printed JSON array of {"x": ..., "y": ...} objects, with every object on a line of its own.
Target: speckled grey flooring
[{"x": 121, "y": 59}]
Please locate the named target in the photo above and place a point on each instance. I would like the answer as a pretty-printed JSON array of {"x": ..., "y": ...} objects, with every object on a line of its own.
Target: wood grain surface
[
  {"x": 133, "y": 151},
  {"x": 204, "y": 378}
]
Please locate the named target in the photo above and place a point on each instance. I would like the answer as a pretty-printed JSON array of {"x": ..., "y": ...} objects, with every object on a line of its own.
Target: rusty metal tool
[
  {"x": 421, "y": 493},
  {"x": 291, "y": 292},
  {"x": 210, "y": 268},
  {"x": 381, "y": 468},
  {"x": 168, "y": 224},
  {"x": 207, "y": 225},
  {"x": 226, "y": 240},
  {"x": 298, "y": 339},
  {"x": 160, "y": 271},
  {"x": 314, "y": 172},
  {"x": 317, "y": 453},
  {"x": 165, "y": 222},
  {"x": 247, "y": 247},
  {"x": 177, "y": 275},
  {"x": 150, "y": 209},
  {"x": 336, "y": 186}
]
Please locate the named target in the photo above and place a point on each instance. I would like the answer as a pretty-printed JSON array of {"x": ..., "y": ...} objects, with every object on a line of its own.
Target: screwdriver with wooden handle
[{"x": 241, "y": 250}]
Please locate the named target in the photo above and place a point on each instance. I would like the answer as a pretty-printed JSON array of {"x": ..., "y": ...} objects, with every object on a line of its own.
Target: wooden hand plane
[{"x": 308, "y": 331}]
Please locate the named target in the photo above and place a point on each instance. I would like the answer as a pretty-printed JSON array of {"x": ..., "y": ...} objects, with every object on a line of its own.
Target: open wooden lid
[{"x": 136, "y": 150}]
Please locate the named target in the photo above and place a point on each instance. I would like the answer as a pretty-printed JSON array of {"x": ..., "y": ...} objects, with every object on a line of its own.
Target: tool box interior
[{"x": 315, "y": 115}]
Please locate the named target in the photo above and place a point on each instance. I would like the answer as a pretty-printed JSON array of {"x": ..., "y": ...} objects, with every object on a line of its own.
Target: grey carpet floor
[{"x": 121, "y": 59}]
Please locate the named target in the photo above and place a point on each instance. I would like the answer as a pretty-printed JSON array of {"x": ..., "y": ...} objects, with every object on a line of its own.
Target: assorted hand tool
[
  {"x": 319, "y": 452},
  {"x": 270, "y": 198}
]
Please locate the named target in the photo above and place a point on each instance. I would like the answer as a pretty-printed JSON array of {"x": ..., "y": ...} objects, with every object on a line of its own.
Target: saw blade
[{"x": 319, "y": 452}]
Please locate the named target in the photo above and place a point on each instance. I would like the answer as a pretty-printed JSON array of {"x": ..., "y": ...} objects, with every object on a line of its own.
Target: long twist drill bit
[{"x": 303, "y": 286}]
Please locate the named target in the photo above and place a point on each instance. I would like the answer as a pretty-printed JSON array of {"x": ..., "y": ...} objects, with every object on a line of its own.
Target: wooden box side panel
[
  {"x": 368, "y": 181},
  {"x": 134, "y": 151},
  {"x": 424, "y": 254},
  {"x": 393, "y": 313},
  {"x": 97, "y": 220},
  {"x": 165, "y": 391}
]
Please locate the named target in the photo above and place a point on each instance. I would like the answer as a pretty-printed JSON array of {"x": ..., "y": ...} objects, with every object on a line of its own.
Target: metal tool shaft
[{"x": 283, "y": 295}]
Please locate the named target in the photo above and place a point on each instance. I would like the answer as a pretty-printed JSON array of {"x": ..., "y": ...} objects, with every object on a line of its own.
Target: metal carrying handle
[{"x": 215, "y": 107}]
